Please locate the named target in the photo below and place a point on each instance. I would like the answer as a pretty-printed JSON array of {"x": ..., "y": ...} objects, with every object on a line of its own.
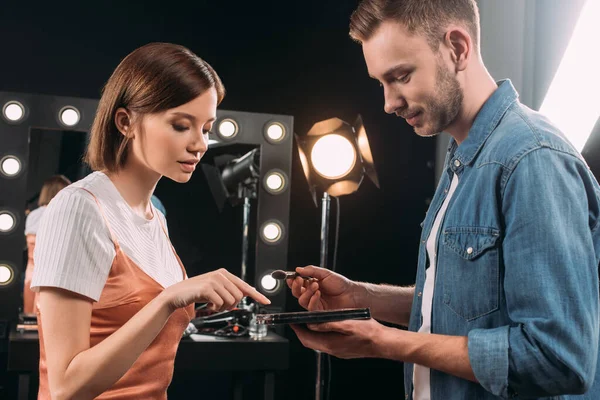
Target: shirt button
[
  {"x": 406, "y": 396},
  {"x": 470, "y": 250},
  {"x": 456, "y": 163},
  {"x": 420, "y": 294}
]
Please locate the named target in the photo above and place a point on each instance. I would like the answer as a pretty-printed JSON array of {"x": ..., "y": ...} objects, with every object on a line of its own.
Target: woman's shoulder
[
  {"x": 76, "y": 198},
  {"x": 33, "y": 219},
  {"x": 36, "y": 214}
]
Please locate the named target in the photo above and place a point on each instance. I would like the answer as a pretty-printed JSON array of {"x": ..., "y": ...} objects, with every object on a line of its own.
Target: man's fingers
[
  {"x": 305, "y": 298},
  {"x": 314, "y": 303},
  {"x": 297, "y": 286},
  {"x": 314, "y": 272}
]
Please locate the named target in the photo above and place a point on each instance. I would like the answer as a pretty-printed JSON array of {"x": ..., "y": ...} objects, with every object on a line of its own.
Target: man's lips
[{"x": 412, "y": 118}]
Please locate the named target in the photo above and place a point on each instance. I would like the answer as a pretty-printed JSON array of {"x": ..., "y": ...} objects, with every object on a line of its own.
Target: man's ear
[
  {"x": 459, "y": 41},
  {"x": 123, "y": 122}
]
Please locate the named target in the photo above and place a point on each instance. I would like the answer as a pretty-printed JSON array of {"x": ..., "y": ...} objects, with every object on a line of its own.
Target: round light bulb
[
  {"x": 10, "y": 166},
  {"x": 69, "y": 116},
  {"x": 227, "y": 128},
  {"x": 14, "y": 111},
  {"x": 272, "y": 232},
  {"x": 275, "y": 182},
  {"x": 333, "y": 156},
  {"x": 7, "y": 222},
  {"x": 275, "y": 131},
  {"x": 6, "y": 274},
  {"x": 268, "y": 283}
]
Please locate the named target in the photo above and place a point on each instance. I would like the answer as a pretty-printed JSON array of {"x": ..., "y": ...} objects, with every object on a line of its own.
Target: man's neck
[{"x": 478, "y": 89}]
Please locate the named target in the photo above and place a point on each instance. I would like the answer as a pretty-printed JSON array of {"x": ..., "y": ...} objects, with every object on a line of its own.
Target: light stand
[
  {"x": 325, "y": 202},
  {"x": 335, "y": 157},
  {"x": 240, "y": 178}
]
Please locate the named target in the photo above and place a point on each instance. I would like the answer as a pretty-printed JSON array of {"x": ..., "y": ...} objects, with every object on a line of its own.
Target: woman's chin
[{"x": 180, "y": 177}]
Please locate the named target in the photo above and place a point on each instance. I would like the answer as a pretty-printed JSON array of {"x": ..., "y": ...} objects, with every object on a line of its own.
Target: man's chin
[{"x": 423, "y": 131}]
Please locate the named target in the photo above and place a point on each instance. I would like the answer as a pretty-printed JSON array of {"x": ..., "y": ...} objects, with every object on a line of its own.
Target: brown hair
[
  {"x": 153, "y": 78},
  {"x": 51, "y": 187},
  {"x": 426, "y": 17}
]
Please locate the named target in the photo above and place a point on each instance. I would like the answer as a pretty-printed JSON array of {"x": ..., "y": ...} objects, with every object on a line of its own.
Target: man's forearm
[
  {"x": 387, "y": 303},
  {"x": 449, "y": 354}
]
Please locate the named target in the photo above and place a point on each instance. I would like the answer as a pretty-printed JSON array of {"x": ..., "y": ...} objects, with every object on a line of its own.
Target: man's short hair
[{"x": 426, "y": 17}]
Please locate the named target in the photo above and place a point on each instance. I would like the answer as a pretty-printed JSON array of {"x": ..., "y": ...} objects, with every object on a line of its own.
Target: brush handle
[{"x": 294, "y": 275}]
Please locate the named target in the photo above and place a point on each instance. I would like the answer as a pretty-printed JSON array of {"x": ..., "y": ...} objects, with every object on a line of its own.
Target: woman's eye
[{"x": 180, "y": 128}]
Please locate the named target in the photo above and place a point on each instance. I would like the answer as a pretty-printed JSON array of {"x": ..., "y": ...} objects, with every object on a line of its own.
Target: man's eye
[{"x": 404, "y": 78}]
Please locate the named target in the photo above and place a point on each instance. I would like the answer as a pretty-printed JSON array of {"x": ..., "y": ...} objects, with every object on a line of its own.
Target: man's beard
[{"x": 442, "y": 108}]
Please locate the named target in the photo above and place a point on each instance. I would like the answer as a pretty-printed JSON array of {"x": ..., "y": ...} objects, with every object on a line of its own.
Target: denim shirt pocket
[{"x": 470, "y": 268}]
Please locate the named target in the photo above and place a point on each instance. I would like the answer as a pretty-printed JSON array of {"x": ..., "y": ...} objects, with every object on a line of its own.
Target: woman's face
[{"x": 172, "y": 142}]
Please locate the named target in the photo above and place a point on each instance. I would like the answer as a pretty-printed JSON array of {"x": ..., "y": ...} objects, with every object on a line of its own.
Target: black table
[{"x": 200, "y": 353}]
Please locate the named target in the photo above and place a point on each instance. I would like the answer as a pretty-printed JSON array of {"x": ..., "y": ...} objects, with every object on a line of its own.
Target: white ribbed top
[
  {"x": 73, "y": 248},
  {"x": 32, "y": 222}
]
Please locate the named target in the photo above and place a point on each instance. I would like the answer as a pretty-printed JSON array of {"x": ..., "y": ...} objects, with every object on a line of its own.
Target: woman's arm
[{"x": 74, "y": 369}]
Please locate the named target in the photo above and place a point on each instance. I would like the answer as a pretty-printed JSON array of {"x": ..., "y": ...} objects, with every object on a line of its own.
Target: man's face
[{"x": 418, "y": 84}]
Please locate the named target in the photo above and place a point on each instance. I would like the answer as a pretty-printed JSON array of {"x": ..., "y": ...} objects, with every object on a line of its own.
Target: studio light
[
  {"x": 271, "y": 232},
  {"x": 274, "y": 132},
  {"x": 335, "y": 157},
  {"x": 13, "y": 111},
  {"x": 268, "y": 283},
  {"x": 6, "y": 274},
  {"x": 236, "y": 180},
  {"x": 240, "y": 173},
  {"x": 275, "y": 182},
  {"x": 7, "y": 221},
  {"x": 227, "y": 129},
  {"x": 10, "y": 166},
  {"x": 69, "y": 116}
]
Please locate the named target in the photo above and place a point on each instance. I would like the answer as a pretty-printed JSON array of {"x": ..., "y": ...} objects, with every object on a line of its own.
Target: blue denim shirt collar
[{"x": 486, "y": 121}]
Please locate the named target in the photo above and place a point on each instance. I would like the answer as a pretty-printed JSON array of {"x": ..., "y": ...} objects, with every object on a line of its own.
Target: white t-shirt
[
  {"x": 32, "y": 222},
  {"x": 74, "y": 250},
  {"x": 421, "y": 374}
]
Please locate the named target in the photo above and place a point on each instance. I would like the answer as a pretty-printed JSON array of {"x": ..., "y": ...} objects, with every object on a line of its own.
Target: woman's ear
[{"x": 123, "y": 122}]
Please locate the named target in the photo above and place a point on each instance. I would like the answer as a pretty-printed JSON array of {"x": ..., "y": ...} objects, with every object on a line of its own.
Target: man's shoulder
[{"x": 520, "y": 132}]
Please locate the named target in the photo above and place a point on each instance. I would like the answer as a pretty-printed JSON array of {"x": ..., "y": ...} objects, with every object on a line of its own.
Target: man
[{"x": 506, "y": 296}]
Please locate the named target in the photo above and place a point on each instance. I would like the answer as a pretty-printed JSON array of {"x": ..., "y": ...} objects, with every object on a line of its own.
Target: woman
[
  {"x": 50, "y": 188},
  {"x": 114, "y": 298}
]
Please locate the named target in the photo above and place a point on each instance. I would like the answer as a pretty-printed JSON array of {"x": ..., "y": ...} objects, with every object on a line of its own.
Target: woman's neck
[{"x": 136, "y": 187}]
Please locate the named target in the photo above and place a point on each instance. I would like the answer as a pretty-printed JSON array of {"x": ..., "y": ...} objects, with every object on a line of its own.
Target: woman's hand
[{"x": 220, "y": 288}]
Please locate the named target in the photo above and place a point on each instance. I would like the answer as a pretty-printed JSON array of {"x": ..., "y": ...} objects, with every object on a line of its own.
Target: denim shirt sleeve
[{"x": 550, "y": 282}]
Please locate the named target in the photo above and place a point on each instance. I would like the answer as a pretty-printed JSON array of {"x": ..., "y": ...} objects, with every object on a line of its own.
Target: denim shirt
[{"x": 517, "y": 260}]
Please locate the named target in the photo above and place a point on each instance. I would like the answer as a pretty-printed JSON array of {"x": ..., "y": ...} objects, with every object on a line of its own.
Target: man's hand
[
  {"x": 327, "y": 291},
  {"x": 344, "y": 339}
]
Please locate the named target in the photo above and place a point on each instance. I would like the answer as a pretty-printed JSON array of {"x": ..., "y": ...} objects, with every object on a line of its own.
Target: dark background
[{"x": 292, "y": 58}]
